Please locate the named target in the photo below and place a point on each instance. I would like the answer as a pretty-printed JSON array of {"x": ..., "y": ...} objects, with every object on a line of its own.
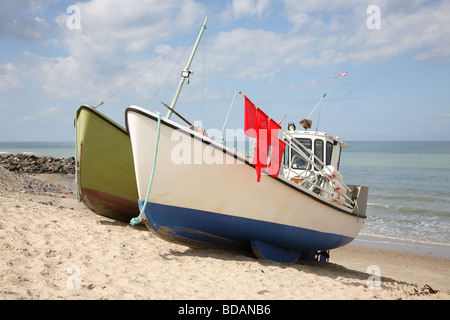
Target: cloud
[
  {"x": 416, "y": 28},
  {"x": 330, "y": 33},
  {"x": 239, "y": 9},
  {"x": 19, "y": 19},
  {"x": 48, "y": 111},
  {"x": 242, "y": 8},
  {"x": 114, "y": 45},
  {"x": 118, "y": 40},
  {"x": 36, "y": 114},
  {"x": 9, "y": 77},
  {"x": 130, "y": 26}
]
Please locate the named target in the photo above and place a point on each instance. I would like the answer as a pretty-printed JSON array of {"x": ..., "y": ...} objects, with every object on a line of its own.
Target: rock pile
[
  {"x": 23, "y": 183},
  {"x": 33, "y": 164}
]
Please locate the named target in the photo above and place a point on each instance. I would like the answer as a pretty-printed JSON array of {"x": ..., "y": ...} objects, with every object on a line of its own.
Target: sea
[
  {"x": 409, "y": 193},
  {"x": 63, "y": 149},
  {"x": 409, "y": 190}
]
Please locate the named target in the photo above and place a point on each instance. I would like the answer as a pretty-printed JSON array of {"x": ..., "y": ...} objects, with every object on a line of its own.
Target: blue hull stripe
[{"x": 202, "y": 228}]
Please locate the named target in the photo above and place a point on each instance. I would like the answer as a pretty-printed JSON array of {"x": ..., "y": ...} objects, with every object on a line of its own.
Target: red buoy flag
[
  {"x": 258, "y": 125},
  {"x": 276, "y": 155},
  {"x": 341, "y": 75}
]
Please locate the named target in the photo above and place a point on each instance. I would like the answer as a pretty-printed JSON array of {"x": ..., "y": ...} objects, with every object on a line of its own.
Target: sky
[{"x": 283, "y": 55}]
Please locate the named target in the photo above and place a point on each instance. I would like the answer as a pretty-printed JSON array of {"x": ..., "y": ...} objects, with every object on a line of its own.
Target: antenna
[
  {"x": 186, "y": 72},
  {"x": 308, "y": 122}
]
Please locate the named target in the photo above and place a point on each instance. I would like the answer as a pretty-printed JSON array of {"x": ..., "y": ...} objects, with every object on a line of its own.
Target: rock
[
  {"x": 17, "y": 182},
  {"x": 33, "y": 164}
]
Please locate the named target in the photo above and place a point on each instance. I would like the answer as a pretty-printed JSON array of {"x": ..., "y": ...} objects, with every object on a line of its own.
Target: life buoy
[
  {"x": 338, "y": 187},
  {"x": 333, "y": 173},
  {"x": 337, "y": 198}
]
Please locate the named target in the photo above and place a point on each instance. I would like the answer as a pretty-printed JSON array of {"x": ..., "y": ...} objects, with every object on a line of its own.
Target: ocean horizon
[{"x": 64, "y": 149}]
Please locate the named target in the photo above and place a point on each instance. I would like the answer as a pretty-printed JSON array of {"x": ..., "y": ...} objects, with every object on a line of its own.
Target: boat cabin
[{"x": 324, "y": 147}]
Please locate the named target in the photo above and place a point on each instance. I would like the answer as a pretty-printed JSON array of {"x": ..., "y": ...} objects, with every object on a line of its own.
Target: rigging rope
[
  {"x": 323, "y": 97},
  {"x": 169, "y": 74},
  {"x": 139, "y": 219},
  {"x": 221, "y": 138},
  {"x": 139, "y": 76}
]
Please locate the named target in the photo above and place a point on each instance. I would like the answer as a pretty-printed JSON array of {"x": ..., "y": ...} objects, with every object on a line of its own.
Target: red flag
[
  {"x": 275, "y": 158},
  {"x": 278, "y": 146},
  {"x": 341, "y": 75},
  {"x": 250, "y": 119},
  {"x": 258, "y": 125},
  {"x": 262, "y": 142},
  {"x": 273, "y": 130}
]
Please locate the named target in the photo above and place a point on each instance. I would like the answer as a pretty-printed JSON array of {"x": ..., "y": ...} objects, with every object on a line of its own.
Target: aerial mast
[{"x": 186, "y": 72}]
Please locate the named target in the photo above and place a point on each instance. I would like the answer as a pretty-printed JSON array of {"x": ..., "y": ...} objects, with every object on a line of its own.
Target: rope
[
  {"x": 170, "y": 73},
  {"x": 76, "y": 174},
  {"x": 77, "y": 169},
  {"x": 142, "y": 74},
  {"x": 357, "y": 211},
  {"x": 139, "y": 219},
  {"x": 226, "y": 119}
]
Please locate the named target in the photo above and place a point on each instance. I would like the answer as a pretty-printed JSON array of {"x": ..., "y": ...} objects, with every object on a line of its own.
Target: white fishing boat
[{"x": 196, "y": 191}]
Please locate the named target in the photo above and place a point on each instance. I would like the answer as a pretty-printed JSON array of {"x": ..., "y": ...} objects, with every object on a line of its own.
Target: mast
[{"x": 186, "y": 72}]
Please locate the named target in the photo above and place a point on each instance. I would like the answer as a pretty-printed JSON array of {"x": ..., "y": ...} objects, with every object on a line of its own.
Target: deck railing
[{"x": 316, "y": 177}]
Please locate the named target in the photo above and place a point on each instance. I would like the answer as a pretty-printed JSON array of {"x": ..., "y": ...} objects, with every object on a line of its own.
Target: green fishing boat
[{"x": 106, "y": 181}]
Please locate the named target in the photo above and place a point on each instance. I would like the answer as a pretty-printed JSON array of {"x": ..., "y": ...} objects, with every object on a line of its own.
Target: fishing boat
[
  {"x": 106, "y": 181},
  {"x": 196, "y": 191},
  {"x": 105, "y": 177}
]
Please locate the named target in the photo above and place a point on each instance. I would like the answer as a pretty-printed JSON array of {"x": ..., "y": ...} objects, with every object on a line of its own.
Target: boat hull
[
  {"x": 211, "y": 197},
  {"x": 105, "y": 170},
  {"x": 198, "y": 228}
]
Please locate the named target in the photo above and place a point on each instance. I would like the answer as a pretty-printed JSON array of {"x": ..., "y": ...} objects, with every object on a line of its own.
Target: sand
[{"x": 53, "y": 247}]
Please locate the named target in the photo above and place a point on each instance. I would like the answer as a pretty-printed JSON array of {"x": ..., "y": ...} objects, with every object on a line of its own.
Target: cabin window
[
  {"x": 297, "y": 161},
  {"x": 339, "y": 159},
  {"x": 286, "y": 154},
  {"x": 318, "y": 152},
  {"x": 329, "y": 152}
]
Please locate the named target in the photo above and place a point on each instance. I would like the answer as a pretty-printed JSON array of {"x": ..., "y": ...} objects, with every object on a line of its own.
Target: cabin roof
[{"x": 315, "y": 134}]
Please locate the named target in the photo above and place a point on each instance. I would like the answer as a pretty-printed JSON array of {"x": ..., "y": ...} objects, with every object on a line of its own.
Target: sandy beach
[{"x": 53, "y": 247}]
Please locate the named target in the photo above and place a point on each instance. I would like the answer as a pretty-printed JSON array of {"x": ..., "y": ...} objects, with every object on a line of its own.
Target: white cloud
[
  {"x": 119, "y": 39},
  {"x": 36, "y": 114},
  {"x": 417, "y": 27},
  {"x": 100, "y": 54},
  {"x": 19, "y": 19},
  {"x": 48, "y": 111},
  {"x": 239, "y": 9},
  {"x": 131, "y": 26},
  {"x": 9, "y": 77},
  {"x": 242, "y": 8}
]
